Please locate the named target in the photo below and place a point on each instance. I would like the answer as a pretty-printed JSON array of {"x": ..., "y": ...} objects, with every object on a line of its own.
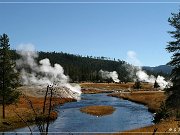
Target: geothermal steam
[
  {"x": 42, "y": 73},
  {"x": 108, "y": 75},
  {"x": 142, "y": 75}
]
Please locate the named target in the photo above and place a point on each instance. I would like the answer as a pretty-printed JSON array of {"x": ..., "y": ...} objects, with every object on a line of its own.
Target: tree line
[{"x": 87, "y": 68}]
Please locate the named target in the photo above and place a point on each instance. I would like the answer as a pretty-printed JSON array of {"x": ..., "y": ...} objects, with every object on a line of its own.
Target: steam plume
[
  {"x": 42, "y": 73},
  {"x": 132, "y": 58},
  {"x": 142, "y": 75},
  {"x": 108, "y": 75}
]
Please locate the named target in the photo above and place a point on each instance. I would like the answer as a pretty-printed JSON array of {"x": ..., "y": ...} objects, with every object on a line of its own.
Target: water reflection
[{"x": 128, "y": 115}]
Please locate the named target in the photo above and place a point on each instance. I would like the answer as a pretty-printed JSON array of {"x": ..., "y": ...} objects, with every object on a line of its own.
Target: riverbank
[
  {"x": 25, "y": 111},
  {"x": 165, "y": 127},
  {"x": 148, "y": 97},
  {"x": 95, "y": 91},
  {"x": 152, "y": 99},
  {"x": 115, "y": 86}
]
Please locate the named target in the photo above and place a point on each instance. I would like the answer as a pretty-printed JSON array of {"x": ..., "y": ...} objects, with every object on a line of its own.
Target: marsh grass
[
  {"x": 115, "y": 86},
  {"x": 23, "y": 109},
  {"x": 152, "y": 99}
]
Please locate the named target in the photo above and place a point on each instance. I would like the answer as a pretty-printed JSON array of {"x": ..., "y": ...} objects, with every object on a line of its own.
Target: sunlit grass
[
  {"x": 115, "y": 86},
  {"x": 23, "y": 109},
  {"x": 98, "y": 110},
  {"x": 152, "y": 99}
]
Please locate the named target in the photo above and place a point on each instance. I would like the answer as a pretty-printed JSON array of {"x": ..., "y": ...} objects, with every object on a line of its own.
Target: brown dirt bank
[
  {"x": 22, "y": 108},
  {"x": 98, "y": 110},
  {"x": 152, "y": 99}
]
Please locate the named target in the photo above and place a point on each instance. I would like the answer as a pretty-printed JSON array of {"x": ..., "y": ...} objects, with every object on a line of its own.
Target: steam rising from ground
[
  {"x": 108, "y": 75},
  {"x": 132, "y": 58},
  {"x": 142, "y": 75},
  {"x": 42, "y": 73}
]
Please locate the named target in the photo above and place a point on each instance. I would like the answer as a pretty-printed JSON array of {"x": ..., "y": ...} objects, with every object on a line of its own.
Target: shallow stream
[{"x": 128, "y": 115}]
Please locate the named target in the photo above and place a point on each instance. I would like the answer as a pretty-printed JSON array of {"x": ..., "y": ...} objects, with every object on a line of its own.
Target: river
[{"x": 128, "y": 115}]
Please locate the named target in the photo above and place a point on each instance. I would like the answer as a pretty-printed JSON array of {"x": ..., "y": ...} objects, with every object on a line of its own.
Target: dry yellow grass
[
  {"x": 98, "y": 110},
  {"x": 23, "y": 109},
  {"x": 163, "y": 128},
  {"x": 152, "y": 99},
  {"x": 107, "y": 86},
  {"x": 94, "y": 91},
  {"x": 115, "y": 86}
]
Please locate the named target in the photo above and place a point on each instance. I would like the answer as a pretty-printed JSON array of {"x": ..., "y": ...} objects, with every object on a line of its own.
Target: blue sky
[{"x": 97, "y": 29}]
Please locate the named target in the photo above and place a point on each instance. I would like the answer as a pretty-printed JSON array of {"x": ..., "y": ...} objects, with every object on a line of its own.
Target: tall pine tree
[
  {"x": 8, "y": 74},
  {"x": 173, "y": 100}
]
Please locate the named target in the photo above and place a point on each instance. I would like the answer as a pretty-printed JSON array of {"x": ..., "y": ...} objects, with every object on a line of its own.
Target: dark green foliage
[
  {"x": 137, "y": 85},
  {"x": 8, "y": 74},
  {"x": 162, "y": 113},
  {"x": 84, "y": 68},
  {"x": 81, "y": 68},
  {"x": 178, "y": 114},
  {"x": 156, "y": 85},
  {"x": 156, "y": 73},
  {"x": 173, "y": 100}
]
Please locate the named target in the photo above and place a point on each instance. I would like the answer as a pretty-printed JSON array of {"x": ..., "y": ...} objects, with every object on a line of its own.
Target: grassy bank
[
  {"x": 23, "y": 109},
  {"x": 152, "y": 99},
  {"x": 146, "y": 96},
  {"x": 98, "y": 110},
  {"x": 95, "y": 91},
  {"x": 163, "y": 128},
  {"x": 114, "y": 86}
]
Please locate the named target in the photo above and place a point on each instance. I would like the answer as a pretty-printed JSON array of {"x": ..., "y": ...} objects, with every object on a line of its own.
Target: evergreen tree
[
  {"x": 173, "y": 100},
  {"x": 8, "y": 74},
  {"x": 137, "y": 85},
  {"x": 156, "y": 85}
]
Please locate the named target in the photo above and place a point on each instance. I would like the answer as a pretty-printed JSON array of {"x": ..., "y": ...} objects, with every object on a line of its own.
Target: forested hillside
[
  {"x": 162, "y": 68},
  {"x": 87, "y": 68}
]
